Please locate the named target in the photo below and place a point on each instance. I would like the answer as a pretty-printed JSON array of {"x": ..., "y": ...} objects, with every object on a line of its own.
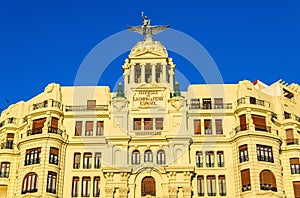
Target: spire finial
[{"x": 146, "y": 29}]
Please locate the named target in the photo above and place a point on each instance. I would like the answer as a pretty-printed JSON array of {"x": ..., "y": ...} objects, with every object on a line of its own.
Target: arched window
[
  {"x": 161, "y": 157},
  {"x": 135, "y": 157},
  {"x": 267, "y": 180},
  {"x": 148, "y": 157},
  {"x": 30, "y": 183},
  {"x": 148, "y": 186}
]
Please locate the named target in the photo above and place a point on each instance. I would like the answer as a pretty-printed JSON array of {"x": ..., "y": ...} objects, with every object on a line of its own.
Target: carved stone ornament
[
  {"x": 177, "y": 102},
  {"x": 109, "y": 191},
  {"x": 123, "y": 191},
  {"x": 173, "y": 190},
  {"x": 187, "y": 190},
  {"x": 119, "y": 103}
]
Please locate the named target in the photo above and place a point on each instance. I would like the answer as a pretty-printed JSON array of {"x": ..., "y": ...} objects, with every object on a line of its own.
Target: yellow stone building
[{"x": 151, "y": 140}]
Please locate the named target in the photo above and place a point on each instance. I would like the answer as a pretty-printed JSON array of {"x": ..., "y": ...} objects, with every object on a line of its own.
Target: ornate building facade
[{"x": 151, "y": 140}]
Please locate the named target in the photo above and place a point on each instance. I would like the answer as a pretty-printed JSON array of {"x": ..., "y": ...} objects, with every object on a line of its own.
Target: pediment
[{"x": 148, "y": 54}]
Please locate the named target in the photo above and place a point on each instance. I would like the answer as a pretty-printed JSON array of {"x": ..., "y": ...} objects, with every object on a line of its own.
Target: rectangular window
[
  {"x": 290, "y": 136},
  {"x": 218, "y": 103},
  {"x": 89, "y": 128},
  {"x": 91, "y": 105},
  {"x": 245, "y": 176},
  {"x": 137, "y": 124},
  {"x": 32, "y": 156},
  {"x": 199, "y": 159},
  {"x": 135, "y": 157},
  {"x": 53, "y": 158},
  {"x": 211, "y": 185},
  {"x": 243, "y": 150},
  {"x": 5, "y": 169},
  {"x": 207, "y": 127},
  {"x": 97, "y": 160},
  {"x": 51, "y": 182},
  {"x": 219, "y": 126},
  {"x": 78, "y": 128},
  {"x": 210, "y": 159},
  {"x": 100, "y": 128},
  {"x": 264, "y": 153},
  {"x": 96, "y": 191},
  {"x": 148, "y": 73},
  {"x": 9, "y": 141},
  {"x": 222, "y": 185},
  {"x": 200, "y": 185},
  {"x": 294, "y": 162},
  {"x": 197, "y": 126},
  {"x": 148, "y": 124},
  {"x": 86, "y": 186},
  {"x": 296, "y": 186},
  {"x": 206, "y": 103},
  {"x": 220, "y": 155},
  {"x": 159, "y": 123},
  {"x": 259, "y": 122},
  {"x": 87, "y": 160},
  {"x": 158, "y": 73},
  {"x": 77, "y": 157},
  {"x": 75, "y": 186},
  {"x": 195, "y": 103}
]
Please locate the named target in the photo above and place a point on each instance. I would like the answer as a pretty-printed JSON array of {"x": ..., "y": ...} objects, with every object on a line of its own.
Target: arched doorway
[{"x": 148, "y": 186}]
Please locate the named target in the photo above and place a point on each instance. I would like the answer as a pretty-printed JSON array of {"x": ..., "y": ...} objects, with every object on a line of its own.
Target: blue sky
[{"x": 46, "y": 41}]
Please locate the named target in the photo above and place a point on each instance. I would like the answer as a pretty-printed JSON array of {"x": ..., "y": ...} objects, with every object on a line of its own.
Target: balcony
[
  {"x": 242, "y": 127},
  {"x": 34, "y": 131},
  {"x": 50, "y": 190},
  {"x": 246, "y": 187},
  {"x": 29, "y": 191},
  {"x": 244, "y": 159},
  {"x": 32, "y": 161},
  {"x": 55, "y": 130},
  {"x": 292, "y": 141},
  {"x": 222, "y": 193},
  {"x": 6, "y": 145},
  {"x": 47, "y": 103},
  {"x": 268, "y": 187},
  {"x": 220, "y": 164},
  {"x": 210, "y": 164},
  {"x": 199, "y": 164},
  {"x": 252, "y": 100},
  {"x": 201, "y": 194},
  {"x": 211, "y": 194},
  {"x": 4, "y": 174},
  {"x": 260, "y": 127},
  {"x": 295, "y": 169},
  {"x": 207, "y": 106},
  {"x": 265, "y": 158},
  {"x": 147, "y": 133},
  {"x": 87, "y": 108}
]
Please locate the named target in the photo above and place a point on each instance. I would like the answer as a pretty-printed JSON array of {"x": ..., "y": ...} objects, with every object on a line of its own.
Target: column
[
  {"x": 143, "y": 72},
  {"x": 132, "y": 73},
  {"x": 171, "y": 73},
  {"x": 153, "y": 73},
  {"x": 163, "y": 79}
]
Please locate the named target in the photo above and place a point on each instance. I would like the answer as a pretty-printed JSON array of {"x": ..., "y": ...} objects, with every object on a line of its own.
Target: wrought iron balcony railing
[{"x": 87, "y": 108}]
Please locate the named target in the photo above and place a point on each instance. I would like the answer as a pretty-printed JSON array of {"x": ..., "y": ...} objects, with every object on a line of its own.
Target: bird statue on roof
[{"x": 146, "y": 29}]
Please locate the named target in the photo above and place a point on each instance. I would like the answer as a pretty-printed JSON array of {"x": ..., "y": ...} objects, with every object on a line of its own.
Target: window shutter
[
  {"x": 91, "y": 104},
  {"x": 197, "y": 126},
  {"x": 54, "y": 122},
  {"x": 296, "y": 185},
  {"x": 77, "y": 158},
  {"x": 89, "y": 125},
  {"x": 78, "y": 128},
  {"x": 294, "y": 160},
  {"x": 137, "y": 125},
  {"x": 218, "y": 101},
  {"x": 289, "y": 134},
  {"x": 243, "y": 122},
  {"x": 207, "y": 124},
  {"x": 159, "y": 122},
  {"x": 243, "y": 147},
  {"x": 54, "y": 151},
  {"x": 148, "y": 124},
  {"x": 245, "y": 174},
  {"x": 219, "y": 126},
  {"x": 39, "y": 123},
  {"x": 10, "y": 136}
]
